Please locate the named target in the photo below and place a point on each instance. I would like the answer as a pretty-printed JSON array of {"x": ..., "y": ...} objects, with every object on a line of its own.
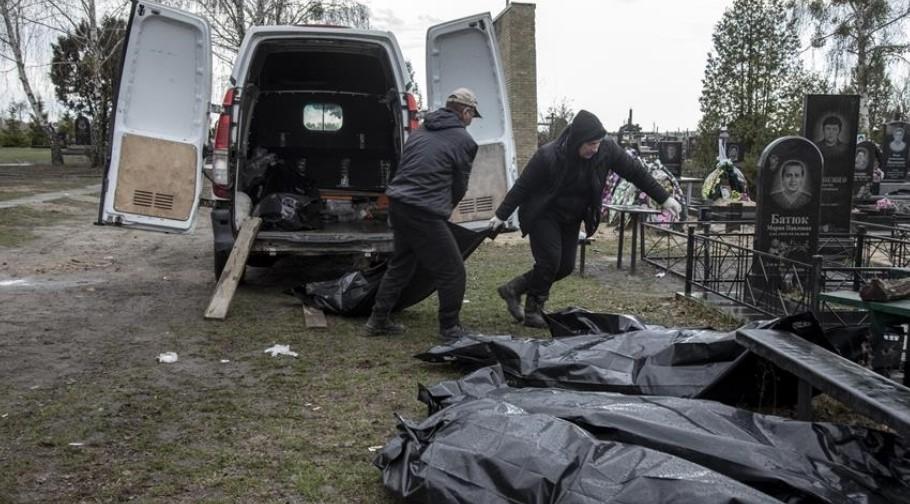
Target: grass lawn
[
  {"x": 35, "y": 156},
  {"x": 264, "y": 429},
  {"x": 17, "y": 224}
]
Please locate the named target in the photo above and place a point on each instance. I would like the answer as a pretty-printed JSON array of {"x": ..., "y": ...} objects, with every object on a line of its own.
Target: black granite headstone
[
  {"x": 735, "y": 152},
  {"x": 864, "y": 167},
  {"x": 670, "y": 155},
  {"x": 787, "y": 214},
  {"x": 895, "y": 150},
  {"x": 83, "y": 131},
  {"x": 831, "y": 122}
]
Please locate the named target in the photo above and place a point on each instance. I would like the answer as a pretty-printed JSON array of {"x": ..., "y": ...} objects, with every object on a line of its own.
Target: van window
[{"x": 322, "y": 117}]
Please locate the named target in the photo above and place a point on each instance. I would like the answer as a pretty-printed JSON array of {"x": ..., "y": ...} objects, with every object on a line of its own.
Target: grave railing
[{"x": 726, "y": 265}]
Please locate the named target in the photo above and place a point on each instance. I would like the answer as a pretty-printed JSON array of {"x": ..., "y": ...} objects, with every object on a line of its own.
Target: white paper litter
[
  {"x": 374, "y": 448},
  {"x": 277, "y": 350},
  {"x": 225, "y": 361},
  {"x": 661, "y": 274},
  {"x": 77, "y": 444},
  {"x": 167, "y": 357}
]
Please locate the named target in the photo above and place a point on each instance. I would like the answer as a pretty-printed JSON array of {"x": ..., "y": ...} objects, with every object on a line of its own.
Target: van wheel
[{"x": 221, "y": 258}]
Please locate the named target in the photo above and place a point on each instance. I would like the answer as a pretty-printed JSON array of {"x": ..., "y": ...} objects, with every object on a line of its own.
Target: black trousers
[
  {"x": 553, "y": 244},
  {"x": 423, "y": 238}
]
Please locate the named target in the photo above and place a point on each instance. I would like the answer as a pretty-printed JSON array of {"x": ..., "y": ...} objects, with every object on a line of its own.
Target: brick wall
[{"x": 516, "y": 35}]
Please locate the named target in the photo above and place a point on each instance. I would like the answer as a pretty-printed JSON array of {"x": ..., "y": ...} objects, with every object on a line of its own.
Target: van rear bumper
[{"x": 322, "y": 243}]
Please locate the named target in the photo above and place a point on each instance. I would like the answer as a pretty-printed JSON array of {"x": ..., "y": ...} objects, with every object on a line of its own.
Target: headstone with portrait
[
  {"x": 831, "y": 122},
  {"x": 735, "y": 152},
  {"x": 83, "y": 133},
  {"x": 787, "y": 217},
  {"x": 895, "y": 151},
  {"x": 866, "y": 171},
  {"x": 670, "y": 155}
]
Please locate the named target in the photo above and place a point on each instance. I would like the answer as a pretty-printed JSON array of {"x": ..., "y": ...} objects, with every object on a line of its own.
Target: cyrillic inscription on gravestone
[
  {"x": 831, "y": 122},
  {"x": 896, "y": 152},
  {"x": 787, "y": 220}
]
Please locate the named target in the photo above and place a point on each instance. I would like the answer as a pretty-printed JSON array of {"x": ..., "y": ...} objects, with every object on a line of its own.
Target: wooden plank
[
  {"x": 233, "y": 270},
  {"x": 867, "y": 392},
  {"x": 314, "y": 317}
]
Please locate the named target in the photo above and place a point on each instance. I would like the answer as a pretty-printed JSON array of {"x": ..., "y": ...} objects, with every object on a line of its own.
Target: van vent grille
[
  {"x": 143, "y": 198},
  {"x": 164, "y": 201},
  {"x": 466, "y": 206},
  {"x": 151, "y": 199},
  {"x": 484, "y": 204}
]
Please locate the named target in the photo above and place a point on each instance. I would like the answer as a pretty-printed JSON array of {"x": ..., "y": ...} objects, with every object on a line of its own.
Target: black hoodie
[
  {"x": 542, "y": 179},
  {"x": 435, "y": 165}
]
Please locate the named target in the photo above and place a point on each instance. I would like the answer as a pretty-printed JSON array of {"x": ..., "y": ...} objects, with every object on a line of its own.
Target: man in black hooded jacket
[
  {"x": 558, "y": 190},
  {"x": 431, "y": 179}
]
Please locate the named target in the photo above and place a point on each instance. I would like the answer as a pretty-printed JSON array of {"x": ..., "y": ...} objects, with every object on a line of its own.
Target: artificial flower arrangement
[
  {"x": 725, "y": 184},
  {"x": 619, "y": 191}
]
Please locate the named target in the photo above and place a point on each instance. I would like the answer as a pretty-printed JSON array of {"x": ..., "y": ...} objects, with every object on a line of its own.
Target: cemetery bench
[
  {"x": 865, "y": 391},
  {"x": 882, "y": 314},
  {"x": 635, "y": 212}
]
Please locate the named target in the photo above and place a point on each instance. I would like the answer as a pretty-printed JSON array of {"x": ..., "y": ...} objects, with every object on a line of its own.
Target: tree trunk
[{"x": 15, "y": 45}]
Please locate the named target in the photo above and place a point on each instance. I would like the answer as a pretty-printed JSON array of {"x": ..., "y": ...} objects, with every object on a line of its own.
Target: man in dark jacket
[
  {"x": 558, "y": 190},
  {"x": 431, "y": 179}
]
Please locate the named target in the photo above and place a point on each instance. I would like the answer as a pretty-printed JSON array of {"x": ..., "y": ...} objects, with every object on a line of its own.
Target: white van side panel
[
  {"x": 161, "y": 123},
  {"x": 464, "y": 53}
]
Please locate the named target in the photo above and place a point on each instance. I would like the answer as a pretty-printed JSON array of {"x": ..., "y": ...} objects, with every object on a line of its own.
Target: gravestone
[
  {"x": 787, "y": 215},
  {"x": 864, "y": 167},
  {"x": 831, "y": 122},
  {"x": 735, "y": 152},
  {"x": 895, "y": 151},
  {"x": 83, "y": 132},
  {"x": 670, "y": 155}
]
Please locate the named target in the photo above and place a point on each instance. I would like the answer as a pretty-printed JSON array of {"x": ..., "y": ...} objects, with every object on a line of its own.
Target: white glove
[
  {"x": 673, "y": 206},
  {"x": 496, "y": 223}
]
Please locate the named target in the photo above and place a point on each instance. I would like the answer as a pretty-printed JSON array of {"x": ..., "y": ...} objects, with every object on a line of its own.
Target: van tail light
[
  {"x": 221, "y": 180},
  {"x": 413, "y": 122}
]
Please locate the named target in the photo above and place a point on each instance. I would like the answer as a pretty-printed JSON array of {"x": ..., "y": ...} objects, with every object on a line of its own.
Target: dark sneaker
[
  {"x": 513, "y": 301},
  {"x": 453, "y": 334},
  {"x": 380, "y": 326}
]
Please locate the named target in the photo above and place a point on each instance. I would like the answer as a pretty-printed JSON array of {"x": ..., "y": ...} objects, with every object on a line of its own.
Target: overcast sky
[{"x": 605, "y": 56}]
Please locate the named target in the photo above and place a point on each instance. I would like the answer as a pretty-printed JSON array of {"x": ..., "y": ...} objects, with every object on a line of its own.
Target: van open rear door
[
  {"x": 464, "y": 53},
  {"x": 154, "y": 178}
]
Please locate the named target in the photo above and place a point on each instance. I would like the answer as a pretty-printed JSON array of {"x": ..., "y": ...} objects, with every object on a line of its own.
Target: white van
[{"x": 310, "y": 130}]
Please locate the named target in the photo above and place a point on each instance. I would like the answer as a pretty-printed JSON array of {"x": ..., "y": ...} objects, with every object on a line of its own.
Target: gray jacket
[{"x": 435, "y": 165}]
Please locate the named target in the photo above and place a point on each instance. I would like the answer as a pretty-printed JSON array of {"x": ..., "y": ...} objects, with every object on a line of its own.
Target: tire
[{"x": 221, "y": 258}]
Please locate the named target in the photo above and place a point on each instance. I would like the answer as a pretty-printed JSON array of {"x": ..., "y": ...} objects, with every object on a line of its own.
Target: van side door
[
  {"x": 161, "y": 120},
  {"x": 464, "y": 53}
]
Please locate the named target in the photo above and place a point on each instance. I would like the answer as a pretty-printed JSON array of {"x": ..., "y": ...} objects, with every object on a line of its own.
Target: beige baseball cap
[{"x": 464, "y": 96}]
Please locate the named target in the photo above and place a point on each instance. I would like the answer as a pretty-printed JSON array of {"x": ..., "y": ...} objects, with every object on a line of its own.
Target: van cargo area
[{"x": 322, "y": 137}]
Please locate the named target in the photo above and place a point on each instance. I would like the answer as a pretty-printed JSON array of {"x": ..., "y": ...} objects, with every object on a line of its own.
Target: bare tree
[
  {"x": 70, "y": 18},
  {"x": 22, "y": 22},
  {"x": 864, "y": 37},
  {"x": 230, "y": 19}
]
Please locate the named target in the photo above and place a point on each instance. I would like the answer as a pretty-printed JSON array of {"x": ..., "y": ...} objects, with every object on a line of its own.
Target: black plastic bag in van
[
  {"x": 352, "y": 294},
  {"x": 487, "y": 451},
  {"x": 793, "y": 461},
  {"x": 289, "y": 212}
]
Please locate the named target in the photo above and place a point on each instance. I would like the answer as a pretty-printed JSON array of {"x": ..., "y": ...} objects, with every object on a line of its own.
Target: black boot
[
  {"x": 534, "y": 311},
  {"x": 511, "y": 293},
  {"x": 380, "y": 324}
]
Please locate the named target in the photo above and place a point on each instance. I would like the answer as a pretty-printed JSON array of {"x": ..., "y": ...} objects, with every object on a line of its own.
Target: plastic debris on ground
[
  {"x": 352, "y": 294},
  {"x": 617, "y": 353},
  {"x": 277, "y": 350},
  {"x": 167, "y": 357},
  {"x": 487, "y": 451},
  {"x": 793, "y": 461}
]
